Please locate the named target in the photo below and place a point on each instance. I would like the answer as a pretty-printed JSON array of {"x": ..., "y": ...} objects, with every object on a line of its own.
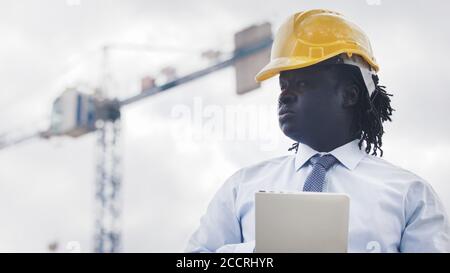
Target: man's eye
[{"x": 301, "y": 84}]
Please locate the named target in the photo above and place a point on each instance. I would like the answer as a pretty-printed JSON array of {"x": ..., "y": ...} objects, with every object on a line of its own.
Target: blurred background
[{"x": 177, "y": 148}]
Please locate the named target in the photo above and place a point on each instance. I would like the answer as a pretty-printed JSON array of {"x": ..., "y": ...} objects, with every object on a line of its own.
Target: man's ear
[{"x": 350, "y": 96}]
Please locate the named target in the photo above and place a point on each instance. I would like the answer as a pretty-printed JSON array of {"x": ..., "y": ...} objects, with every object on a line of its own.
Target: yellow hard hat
[{"x": 307, "y": 38}]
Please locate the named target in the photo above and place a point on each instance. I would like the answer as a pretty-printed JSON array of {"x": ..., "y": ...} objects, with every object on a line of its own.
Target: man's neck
[{"x": 329, "y": 144}]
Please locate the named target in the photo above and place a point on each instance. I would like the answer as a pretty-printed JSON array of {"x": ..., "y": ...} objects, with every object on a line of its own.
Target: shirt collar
[{"x": 348, "y": 154}]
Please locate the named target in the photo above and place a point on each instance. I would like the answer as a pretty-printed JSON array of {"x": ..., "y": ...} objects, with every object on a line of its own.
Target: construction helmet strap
[{"x": 367, "y": 72}]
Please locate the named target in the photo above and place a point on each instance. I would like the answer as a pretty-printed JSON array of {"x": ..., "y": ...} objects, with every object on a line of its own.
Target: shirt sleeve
[
  {"x": 220, "y": 229},
  {"x": 427, "y": 227}
]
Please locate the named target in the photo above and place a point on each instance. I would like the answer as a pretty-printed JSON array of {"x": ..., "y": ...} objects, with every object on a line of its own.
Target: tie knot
[{"x": 326, "y": 161}]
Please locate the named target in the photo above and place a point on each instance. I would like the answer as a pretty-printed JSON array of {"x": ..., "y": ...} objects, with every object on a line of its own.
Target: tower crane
[{"x": 75, "y": 114}]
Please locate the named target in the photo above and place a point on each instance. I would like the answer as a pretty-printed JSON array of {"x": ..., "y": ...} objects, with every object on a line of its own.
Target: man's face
[{"x": 310, "y": 104}]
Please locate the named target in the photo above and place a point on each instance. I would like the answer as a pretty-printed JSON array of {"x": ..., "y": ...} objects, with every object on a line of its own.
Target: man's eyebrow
[
  {"x": 293, "y": 78},
  {"x": 287, "y": 77}
]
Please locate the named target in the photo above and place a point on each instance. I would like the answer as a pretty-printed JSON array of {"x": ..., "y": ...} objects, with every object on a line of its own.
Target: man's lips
[{"x": 285, "y": 111}]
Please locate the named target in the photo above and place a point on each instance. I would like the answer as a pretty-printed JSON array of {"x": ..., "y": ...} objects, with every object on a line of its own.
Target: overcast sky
[{"x": 47, "y": 186}]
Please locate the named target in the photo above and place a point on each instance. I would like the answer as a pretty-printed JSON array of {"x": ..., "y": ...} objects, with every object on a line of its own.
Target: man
[{"x": 332, "y": 105}]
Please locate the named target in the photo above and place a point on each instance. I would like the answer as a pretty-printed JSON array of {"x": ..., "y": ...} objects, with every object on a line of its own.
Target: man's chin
[{"x": 291, "y": 131}]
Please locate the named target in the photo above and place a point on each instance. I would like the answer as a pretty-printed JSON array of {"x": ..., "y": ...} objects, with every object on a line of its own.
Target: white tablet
[{"x": 301, "y": 222}]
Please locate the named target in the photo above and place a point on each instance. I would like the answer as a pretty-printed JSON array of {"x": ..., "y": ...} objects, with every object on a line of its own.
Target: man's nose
[{"x": 286, "y": 97}]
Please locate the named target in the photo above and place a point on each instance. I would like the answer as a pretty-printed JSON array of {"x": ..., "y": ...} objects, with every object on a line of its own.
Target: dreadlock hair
[{"x": 370, "y": 112}]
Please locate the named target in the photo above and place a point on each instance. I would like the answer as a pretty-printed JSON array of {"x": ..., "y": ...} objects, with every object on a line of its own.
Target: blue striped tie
[{"x": 321, "y": 164}]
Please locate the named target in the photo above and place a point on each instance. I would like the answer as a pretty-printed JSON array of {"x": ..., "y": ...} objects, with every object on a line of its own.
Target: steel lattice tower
[{"x": 108, "y": 187}]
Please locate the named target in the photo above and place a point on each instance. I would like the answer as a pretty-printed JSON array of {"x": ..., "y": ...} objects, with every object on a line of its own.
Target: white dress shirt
[{"x": 391, "y": 209}]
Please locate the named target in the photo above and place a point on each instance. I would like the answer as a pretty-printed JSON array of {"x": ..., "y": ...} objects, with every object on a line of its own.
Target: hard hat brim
[{"x": 290, "y": 63}]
